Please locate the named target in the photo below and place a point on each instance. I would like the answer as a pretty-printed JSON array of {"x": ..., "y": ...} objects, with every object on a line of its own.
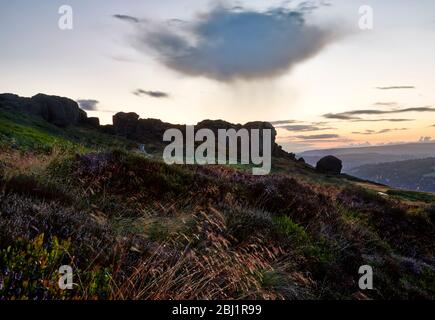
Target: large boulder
[
  {"x": 329, "y": 164},
  {"x": 125, "y": 124},
  {"x": 59, "y": 111}
]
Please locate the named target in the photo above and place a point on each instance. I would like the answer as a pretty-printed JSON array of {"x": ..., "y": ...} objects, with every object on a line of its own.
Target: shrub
[
  {"x": 34, "y": 187},
  {"x": 30, "y": 271},
  {"x": 301, "y": 241},
  {"x": 431, "y": 212},
  {"x": 25, "y": 218},
  {"x": 293, "y": 231},
  {"x": 158, "y": 231},
  {"x": 355, "y": 197},
  {"x": 243, "y": 223}
]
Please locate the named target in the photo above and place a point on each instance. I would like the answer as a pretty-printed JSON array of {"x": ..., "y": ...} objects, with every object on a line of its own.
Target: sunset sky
[{"x": 306, "y": 67}]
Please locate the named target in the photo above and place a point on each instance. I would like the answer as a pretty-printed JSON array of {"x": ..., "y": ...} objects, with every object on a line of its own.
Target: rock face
[
  {"x": 93, "y": 122},
  {"x": 143, "y": 130},
  {"x": 59, "y": 111},
  {"x": 125, "y": 124},
  {"x": 329, "y": 164}
]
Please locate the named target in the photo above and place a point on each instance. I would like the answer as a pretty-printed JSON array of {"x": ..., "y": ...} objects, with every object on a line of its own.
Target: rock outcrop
[
  {"x": 64, "y": 112},
  {"x": 151, "y": 130},
  {"x": 329, "y": 164},
  {"x": 125, "y": 124},
  {"x": 143, "y": 130},
  {"x": 93, "y": 122},
  {"x": 59, "y": 111}
]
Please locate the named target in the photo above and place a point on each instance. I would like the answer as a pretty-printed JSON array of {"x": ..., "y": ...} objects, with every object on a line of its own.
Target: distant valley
[
  {"x": 417, "y": 174},
  {"x": 406, "y": 166}
]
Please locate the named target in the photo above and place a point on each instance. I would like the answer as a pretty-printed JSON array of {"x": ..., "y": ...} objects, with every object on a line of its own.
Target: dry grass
[
  {"x": 208, "y": 267},
  {"x": 15, "y": 162}
]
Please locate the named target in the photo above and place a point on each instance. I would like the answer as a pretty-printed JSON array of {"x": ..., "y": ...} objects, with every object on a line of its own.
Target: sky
[{"x": 307, "y": 67}]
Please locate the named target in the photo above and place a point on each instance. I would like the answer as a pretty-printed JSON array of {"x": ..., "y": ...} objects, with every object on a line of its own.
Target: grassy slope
[
  {"x": 133, "y": 227},
  {"x": 34, "y": 134},
  {"x": 28, "y": 132}
]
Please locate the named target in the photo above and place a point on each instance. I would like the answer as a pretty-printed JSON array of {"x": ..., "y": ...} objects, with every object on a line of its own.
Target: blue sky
[{"x": 327, "y": 66}]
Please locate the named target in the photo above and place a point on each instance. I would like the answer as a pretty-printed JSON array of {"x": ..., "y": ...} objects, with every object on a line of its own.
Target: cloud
[
  {"x": 365, "y": 132},
  {"x": 304, "y": 127},
  {"x": 382, "y": 120},
  {"x": 425, "y": 139},
  {"x": 126, "y": 18},
  {"x": 313, "y": 140},
  {"x": 390, "y": 130},
  {"x": 153, "y": 94},
  {"x": 370, "y": 132},
  {"x": 88, "y": 104},
  {"x": 318, "y": 136},
  {"x": 319, "y": 123},
  {"x": 359, "y": 144},
  {"x": 122, "y": 58},
  {"x": 385, "y": 104},
  {"x": 236, "y": 43},
  {"x": 282, "y": 122},
  {"x": 366, "y": 111},
  {"x": 395, "y": 87},
  {"x": 339, "y": 116},
  {"x": 352, "y": 115},
  {"x": 420, "y": 109}
]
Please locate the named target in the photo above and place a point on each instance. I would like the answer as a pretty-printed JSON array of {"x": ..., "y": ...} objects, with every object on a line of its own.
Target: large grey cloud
[{"x": 235, "y": 43}]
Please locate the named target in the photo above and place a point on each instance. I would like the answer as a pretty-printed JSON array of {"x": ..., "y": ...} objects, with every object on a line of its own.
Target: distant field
[{"x": 413, "y": 196}]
